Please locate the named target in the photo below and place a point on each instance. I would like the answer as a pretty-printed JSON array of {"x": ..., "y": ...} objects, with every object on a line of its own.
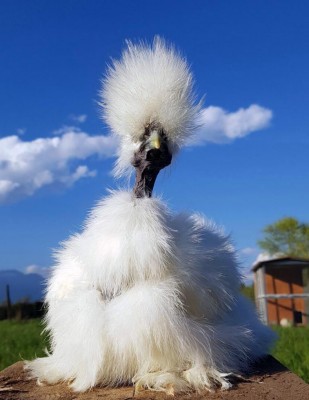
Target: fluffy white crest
[{"x": 150, "y": 84}]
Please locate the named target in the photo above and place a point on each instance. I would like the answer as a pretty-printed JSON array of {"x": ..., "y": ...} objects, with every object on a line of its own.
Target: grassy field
[
  {"x": 22, "y": 341},
  {"x": 292, "y": 350}
]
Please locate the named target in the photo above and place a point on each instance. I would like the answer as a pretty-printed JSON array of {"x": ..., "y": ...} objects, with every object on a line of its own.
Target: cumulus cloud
[
  {"x": 66, "y": 128},
  {"x": 217, "y": 125},
  {"x": 248, "y": 251},
  {"x": 246, "y": 255},
  {"x": 81, "y": 118},
  {"x": 247, "y": 275},
  {"x": 27, "y": 166},
  {"x": 21, "y": 131},
  {"x": 35, "y": 269}
]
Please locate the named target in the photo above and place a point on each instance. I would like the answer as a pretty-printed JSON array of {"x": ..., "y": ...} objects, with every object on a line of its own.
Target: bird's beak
[
  {"x": 152, "y": 156},
  {"x": 155, "y": 140}
]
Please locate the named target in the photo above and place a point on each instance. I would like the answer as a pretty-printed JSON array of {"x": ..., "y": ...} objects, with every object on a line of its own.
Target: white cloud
[
  {"x": 247, "y": 255},
  {"x": 21, "y": 131},
  {"x": 81, "y": 118},
  {"x": 220, "y": 126},
  {"x": 35, "y": 269},
  {"x": 66, "y": 128},
  {"x": 82, "y": 171},
  {"x": 6, "y": 187},
  {"x": 248, "y": 251},
  {"x": 247, "y": 275},
  {"x": 27, "y": 166}
]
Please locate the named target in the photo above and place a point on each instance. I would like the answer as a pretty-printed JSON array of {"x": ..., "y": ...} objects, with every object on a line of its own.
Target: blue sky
[{"x": 250, "y": 165}]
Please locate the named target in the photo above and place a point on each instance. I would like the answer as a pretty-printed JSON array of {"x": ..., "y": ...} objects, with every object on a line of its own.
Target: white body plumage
[{"x": 142, "y": 294}]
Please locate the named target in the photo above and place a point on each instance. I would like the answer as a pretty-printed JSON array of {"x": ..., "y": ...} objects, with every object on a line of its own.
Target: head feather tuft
[{"x": 149, "y": 84}]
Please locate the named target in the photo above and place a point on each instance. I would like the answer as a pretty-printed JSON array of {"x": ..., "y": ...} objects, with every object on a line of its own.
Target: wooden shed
[{"x": 281, "y": 289}]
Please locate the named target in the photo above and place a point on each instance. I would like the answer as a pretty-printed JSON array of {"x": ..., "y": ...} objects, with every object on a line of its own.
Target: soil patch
[{"x": 269, "y": 380}]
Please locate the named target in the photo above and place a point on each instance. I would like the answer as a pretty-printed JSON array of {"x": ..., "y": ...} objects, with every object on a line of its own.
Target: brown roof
[{"x": 282, "y": 261}]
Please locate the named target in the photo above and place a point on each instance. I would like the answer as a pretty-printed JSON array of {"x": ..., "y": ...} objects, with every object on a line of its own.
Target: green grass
[
  {"x": 292, "y": 350},
  {"x": 20, "y": 340},
  {"x": 23, "y": 340}
]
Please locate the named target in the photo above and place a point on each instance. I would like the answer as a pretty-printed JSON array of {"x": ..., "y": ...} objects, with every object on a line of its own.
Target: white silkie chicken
[{"x": 142, "y": 295}]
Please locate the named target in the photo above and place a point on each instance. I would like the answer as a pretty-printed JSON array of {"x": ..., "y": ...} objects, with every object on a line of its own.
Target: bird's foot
[
  {"x": 44, "y": 370},
  {"x": 201, "y": 377},
  {"x": 168, "y": 382}
]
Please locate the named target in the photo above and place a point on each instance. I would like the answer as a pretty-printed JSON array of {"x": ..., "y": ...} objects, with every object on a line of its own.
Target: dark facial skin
[{"x": 148, "y": 163}]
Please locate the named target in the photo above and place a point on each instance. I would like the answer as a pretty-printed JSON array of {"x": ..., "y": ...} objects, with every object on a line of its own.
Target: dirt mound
[{"x": 269, "y": 381}]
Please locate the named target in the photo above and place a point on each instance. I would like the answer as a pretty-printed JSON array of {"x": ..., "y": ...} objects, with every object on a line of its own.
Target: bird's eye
[
  {"x": 163, "y": 136},
  {"x": 146, "y": 134}
]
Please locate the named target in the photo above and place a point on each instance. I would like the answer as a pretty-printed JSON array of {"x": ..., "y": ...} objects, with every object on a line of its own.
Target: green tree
[
  {"x": 247, "y": 291},
  {"x": 286, "y": 236}
]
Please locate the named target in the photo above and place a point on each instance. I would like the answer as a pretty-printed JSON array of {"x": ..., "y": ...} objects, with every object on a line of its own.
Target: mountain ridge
[{"x": 22, "y": 286}]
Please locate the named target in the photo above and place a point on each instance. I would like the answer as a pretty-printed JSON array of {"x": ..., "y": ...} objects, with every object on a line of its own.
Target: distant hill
[{"x": 22, "y": 286}]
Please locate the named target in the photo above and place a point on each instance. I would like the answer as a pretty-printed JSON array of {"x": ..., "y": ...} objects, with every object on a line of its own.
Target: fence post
[{"x": 8, "y": 302}]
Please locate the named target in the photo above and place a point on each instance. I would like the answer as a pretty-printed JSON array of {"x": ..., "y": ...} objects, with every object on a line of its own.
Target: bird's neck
[{"x": 147, "y": 164}]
